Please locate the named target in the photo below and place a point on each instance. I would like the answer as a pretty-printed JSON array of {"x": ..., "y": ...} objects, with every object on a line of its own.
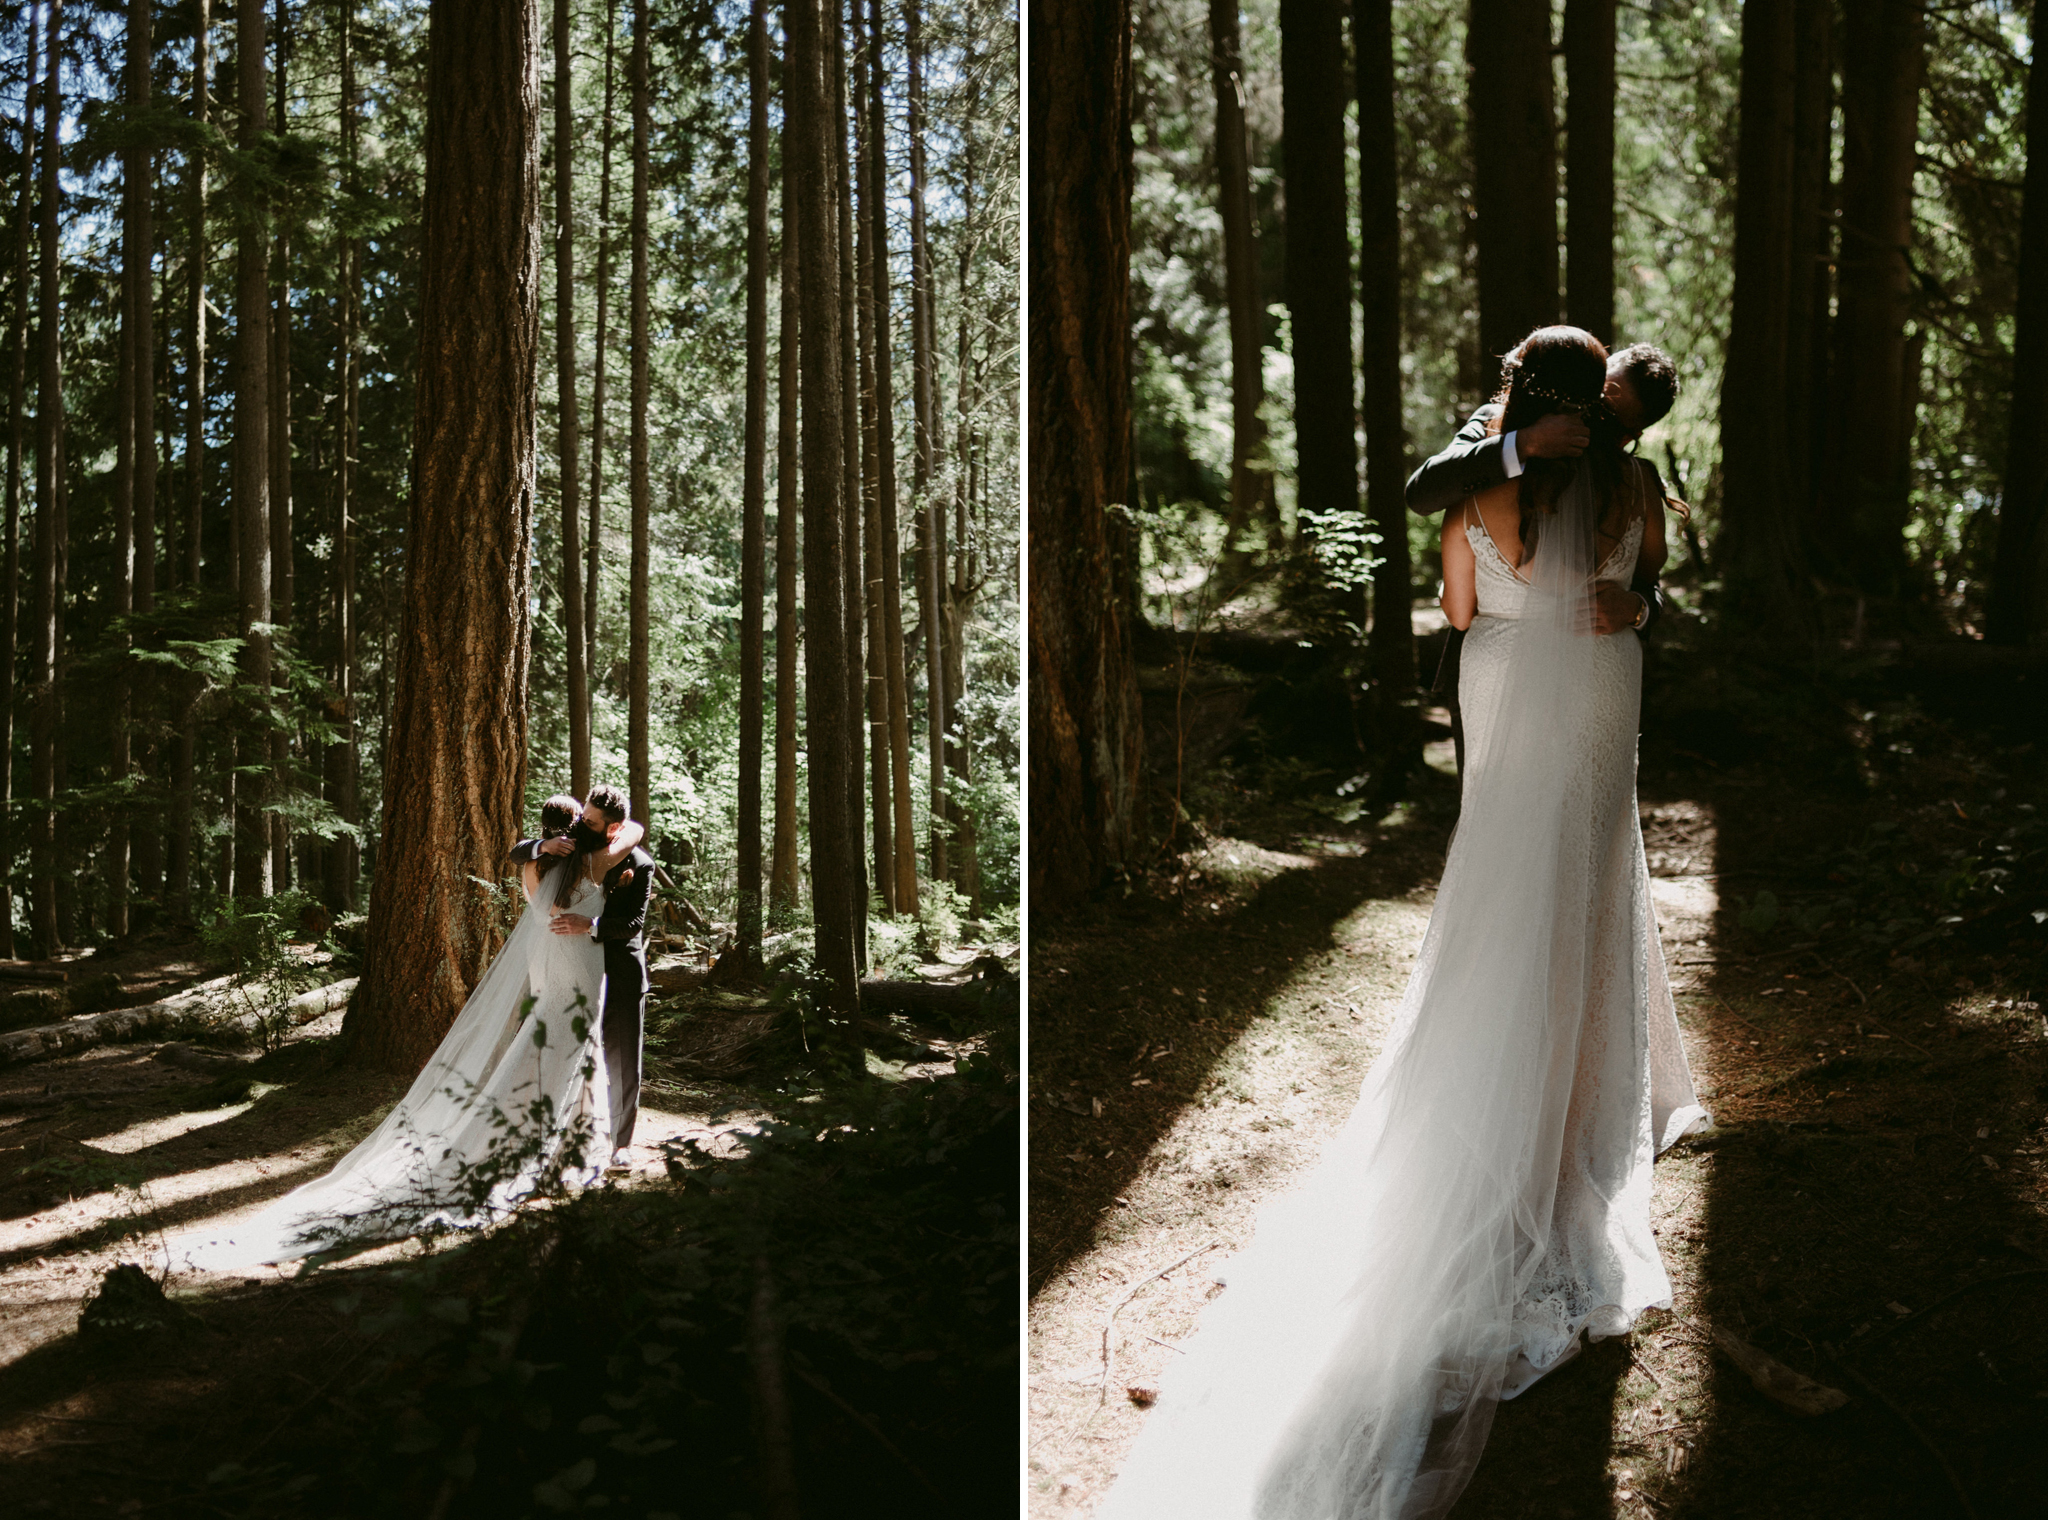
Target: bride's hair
[
  {"x": 558, "y": 815},
  {"x": 1559, "y": 369}
]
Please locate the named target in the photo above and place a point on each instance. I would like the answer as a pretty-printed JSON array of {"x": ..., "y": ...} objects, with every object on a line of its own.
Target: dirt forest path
[{"x": 1190, "y": 1058}]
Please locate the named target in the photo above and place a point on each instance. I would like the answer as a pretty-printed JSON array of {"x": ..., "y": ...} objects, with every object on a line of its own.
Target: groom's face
[
  {"x": 1622, "y": 400},
  {"x": 594, "y": 818}
]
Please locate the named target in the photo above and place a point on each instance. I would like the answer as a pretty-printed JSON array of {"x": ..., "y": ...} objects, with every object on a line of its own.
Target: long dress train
[
  {"x": 514, "y": 1098},
  {"x": 1488, "y": 1200}
]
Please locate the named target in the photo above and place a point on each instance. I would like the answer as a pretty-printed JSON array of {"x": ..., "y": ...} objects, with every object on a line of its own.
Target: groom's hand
[
  {"x": 571, "y": 923},
  {"x": 1558, "y": 435},
  {"x": 1613, "y": 609},
  {"x": 556, "y": 847}
]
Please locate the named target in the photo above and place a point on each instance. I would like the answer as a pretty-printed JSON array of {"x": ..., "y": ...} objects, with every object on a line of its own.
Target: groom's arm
[
  {"x": 1480, "y": 459},
  {"x": 525, "y": 852},
  {"x": 625, "y": 910}
]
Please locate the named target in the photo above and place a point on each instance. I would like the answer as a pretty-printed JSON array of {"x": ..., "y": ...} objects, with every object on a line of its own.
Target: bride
[
  {"x": 513, "y": 1099},
  {"x": 1488, "y": 1201}
]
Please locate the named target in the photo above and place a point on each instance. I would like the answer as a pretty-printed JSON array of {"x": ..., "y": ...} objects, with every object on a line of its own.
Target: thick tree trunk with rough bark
[
  {"x": 1514, "y": 171},
  {"x": 1251, "y": 485},
  {"x": 1086, "y": 737},
  {"x": 1318, "y": 253},
  {"x": 456, "y": 755},
  {"x": 784, "y": 873},
  {"x": 1883, "y": 51},
  {"x": 808, "y": 80},
  {"x": 45, "y": 692},
  {"x": 1812, "y": 254},
  {"x": 1589, "y": 167},
  {"x": 569, "y": 473},
  {"x": 754, "y": 507},
  {"x": 1758, "y": 544},
  {"x": 251, "y": 458},
  {"x": 1395, "y": 716},
  {"x": 2019, "y": 577},
  {"x": 895, "y": 670},
  {"x": 639, "y": 782}
]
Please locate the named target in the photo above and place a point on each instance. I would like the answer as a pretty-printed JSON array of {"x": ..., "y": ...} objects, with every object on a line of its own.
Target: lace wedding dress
[
  {"x": 514, "y": 1098},
  {"x": 1488, "y": 1201}
]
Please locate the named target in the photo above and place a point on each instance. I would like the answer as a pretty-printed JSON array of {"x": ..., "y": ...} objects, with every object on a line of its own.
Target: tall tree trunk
[
  {"x": 1396, "y": 730},
  {"x": 2019, "y": 577},
  {"x": 784, "y": 873},
  {"x": 593, "y": 549},
  {"x": 1883, "y": 49},
  {"x": 639, "y": 783},
  {"x": 456, "y": 761},
  {"x": 851, "y": 609},
  {"x": 252, "y": 461},
  {"x": 867, "y": 57},
  {"x": 185, "y": 780},
  {"x": 1319, "y": 258},
  {"x": 280, "y": 479},
  {"x": 1806, "y": 318},
  {"x": 1086, "y": 737},
  {"x": 1758, "y": 548},
  {"x": 148, "y": 842},
  {"x": 47, "y": 694},
  {"x": 1514, "y": 171},
  {"x": 824, "y": 477},
  {"x": 17, "y": 408},
  {"x": 931, "y": 531},
  {"x": 568, "y": 475},
  {"x": 1251, "y": 484},
  {"x": 1589, "y": 166},
  {"x": 133, "y": 375},
  {"x": 895, "y": 668},
  {"x": 343, "y": 855},
  {"x": 965, "y": 854},
  {"x": 753, "y": 512}
]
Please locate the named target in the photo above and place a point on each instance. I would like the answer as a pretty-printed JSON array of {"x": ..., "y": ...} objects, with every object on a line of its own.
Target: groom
[
  {"x": 621, "y": 927},
  {"x": 1642, "y": 383}
]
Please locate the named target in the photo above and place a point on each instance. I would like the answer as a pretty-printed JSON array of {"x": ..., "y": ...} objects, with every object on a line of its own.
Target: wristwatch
[{"x": 1643, "y": 616}]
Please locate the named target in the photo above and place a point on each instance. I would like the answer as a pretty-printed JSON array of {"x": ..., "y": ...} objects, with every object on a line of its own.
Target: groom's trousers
[{"x": 625, "y": 1014}]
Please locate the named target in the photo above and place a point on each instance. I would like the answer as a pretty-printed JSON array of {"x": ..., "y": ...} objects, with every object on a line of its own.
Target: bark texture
[
  {"x": 753, "y": 522},
  {"x": 1395, "y": 728},
  {"x": 1884, "y": 44},
  {"x": 457, "y": 748},
  {"x": 44, "y": 691},
  {"x": 1589, "y": 167},
  {"x": 1514, "y": 171},
  {"x": 783, "y": 871},
  {"x": 568, "y": 428},
  {"x": 639, "y": 781},
  {"x": 1251, "y": 484},
  {"x": 2019, "y": 579},
  {"x": 252, "y": 462},
  {"x": 1086, "y": 739}
]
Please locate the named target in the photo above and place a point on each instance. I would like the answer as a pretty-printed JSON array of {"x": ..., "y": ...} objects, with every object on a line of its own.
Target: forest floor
[
  {"x": 280, "y": 1393},
  {"x": 1849, "y": 872}
]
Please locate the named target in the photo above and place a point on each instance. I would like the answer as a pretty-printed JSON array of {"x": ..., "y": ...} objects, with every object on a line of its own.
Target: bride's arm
[
  {"x": 630, "y": 834},
  {"x": 1656, "y": 549},
  {"x": 1460, "y": 599}
]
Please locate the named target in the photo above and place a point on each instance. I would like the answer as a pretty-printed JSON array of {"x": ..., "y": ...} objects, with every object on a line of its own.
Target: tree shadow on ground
[
  {"x": 1117, "y": 980},
  {"x": 295, "y": 1097},
  {"x": 1866, "y": 1219}
]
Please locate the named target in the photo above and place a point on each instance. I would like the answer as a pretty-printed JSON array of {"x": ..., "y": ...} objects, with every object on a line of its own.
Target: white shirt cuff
[{"x": 1510, "y": 460}]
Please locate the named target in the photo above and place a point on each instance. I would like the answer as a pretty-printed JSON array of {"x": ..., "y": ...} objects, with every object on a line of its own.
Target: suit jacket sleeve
[
  {"x": 525, "y": 852},
  {"x": 1644, "y": 583},
  {"x": 624, "y": 915},
  {"x": 1472, "y": 464}
]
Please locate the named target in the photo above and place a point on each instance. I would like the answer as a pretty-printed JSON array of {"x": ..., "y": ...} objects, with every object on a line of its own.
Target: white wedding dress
[
  {"x": 514, "y": 1100},
  {"x": 1488, "y": 1201}
]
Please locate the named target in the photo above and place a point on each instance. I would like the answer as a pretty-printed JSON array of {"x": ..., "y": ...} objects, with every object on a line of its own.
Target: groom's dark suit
[
  {"x": 621, "y": 928},
  {"x": 1477, "y": 461}
]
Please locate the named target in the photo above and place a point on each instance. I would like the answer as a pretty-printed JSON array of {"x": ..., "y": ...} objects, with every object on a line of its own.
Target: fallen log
[
  {"x": 23, "y": 971},
  {"x": 221, "y": 995},
  {"x": 918, "y": 999}
]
